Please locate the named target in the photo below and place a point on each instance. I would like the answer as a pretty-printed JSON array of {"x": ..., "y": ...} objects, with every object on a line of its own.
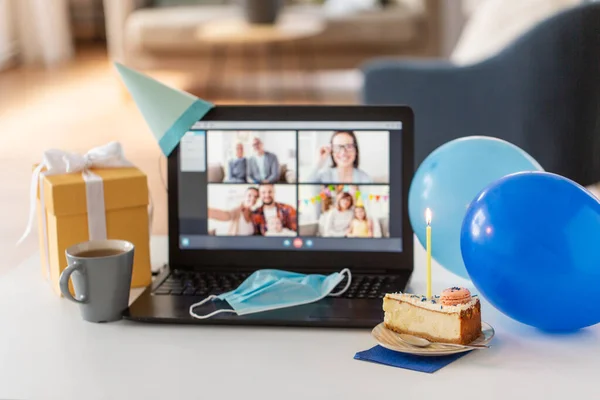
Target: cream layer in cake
[{"x": 428, "y": 318}]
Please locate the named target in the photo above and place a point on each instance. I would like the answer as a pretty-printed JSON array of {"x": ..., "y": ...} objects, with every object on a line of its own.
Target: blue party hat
[{"x": 169, "y": 112}]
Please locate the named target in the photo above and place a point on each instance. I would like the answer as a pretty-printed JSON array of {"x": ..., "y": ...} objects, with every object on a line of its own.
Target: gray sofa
[
  {"x": 145, "y": 37},
  {"x": 541, "y": 93}
]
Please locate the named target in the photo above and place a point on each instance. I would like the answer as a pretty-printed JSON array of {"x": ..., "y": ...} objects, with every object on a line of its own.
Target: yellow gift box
[{"x": 66, "y": 217}]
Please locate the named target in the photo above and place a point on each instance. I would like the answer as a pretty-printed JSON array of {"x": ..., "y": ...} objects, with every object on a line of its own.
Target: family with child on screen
[
  {"x": 346, "y": 219},
  {"x": 335, "y": 161},
  {"x": 258, "y": 214}
]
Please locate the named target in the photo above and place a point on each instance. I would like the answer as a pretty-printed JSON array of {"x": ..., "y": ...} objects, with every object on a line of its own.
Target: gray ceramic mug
[{"x": 101, "y": 273}]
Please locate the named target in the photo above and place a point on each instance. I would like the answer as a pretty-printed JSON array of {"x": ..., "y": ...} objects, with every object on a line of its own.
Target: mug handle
[{"x": 64, "y": 283}]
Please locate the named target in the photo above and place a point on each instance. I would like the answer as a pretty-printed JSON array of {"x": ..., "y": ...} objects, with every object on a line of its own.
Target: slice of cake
[{"x": 453, "y": 317}]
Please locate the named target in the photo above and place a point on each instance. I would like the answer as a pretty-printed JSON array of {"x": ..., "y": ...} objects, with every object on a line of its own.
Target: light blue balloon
[{"x": 448, "y": 180}]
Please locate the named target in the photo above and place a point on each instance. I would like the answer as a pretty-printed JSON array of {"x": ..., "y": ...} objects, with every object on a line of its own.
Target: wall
[
  {"x": 283, "y": 144},
  {"x": 374, "y": 146},
  {"x": 8, "y": 45}
]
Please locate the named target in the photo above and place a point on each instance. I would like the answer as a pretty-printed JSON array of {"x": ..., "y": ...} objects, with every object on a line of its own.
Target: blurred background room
[{"x": 453, "y": 61}]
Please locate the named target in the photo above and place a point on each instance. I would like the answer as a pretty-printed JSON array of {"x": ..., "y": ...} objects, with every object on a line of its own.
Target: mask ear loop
[
  {"x": 211, "y": 297},
  {"x": 347, "y": 272}
]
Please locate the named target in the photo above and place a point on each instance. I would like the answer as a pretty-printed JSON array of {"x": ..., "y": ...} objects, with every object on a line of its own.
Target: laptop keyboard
[
  {"x": 368, "y": 286},
  {"x": 194, "y": 283}
]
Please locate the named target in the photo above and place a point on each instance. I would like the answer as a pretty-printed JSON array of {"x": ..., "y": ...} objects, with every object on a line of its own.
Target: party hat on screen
[{"x": 169, "y": 112}]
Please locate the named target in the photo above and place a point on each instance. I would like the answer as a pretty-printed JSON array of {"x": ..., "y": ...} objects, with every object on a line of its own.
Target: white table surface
[{"x": 48, "y": 352}]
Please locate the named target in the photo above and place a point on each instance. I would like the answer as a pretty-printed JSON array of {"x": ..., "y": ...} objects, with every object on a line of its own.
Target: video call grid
[{"x": 345, "y": 147}]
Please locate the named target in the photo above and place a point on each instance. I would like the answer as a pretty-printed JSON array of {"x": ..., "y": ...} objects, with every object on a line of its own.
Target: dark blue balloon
[{"x": 531, "y": 244}]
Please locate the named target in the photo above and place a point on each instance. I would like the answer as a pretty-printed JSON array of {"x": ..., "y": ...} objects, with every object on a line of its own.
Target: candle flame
[{"x": 428, "y": 216}]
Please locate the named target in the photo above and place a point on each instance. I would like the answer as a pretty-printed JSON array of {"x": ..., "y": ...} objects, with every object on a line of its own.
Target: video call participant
[
  {"x": 263, "y": 167},
  {"x": 275, "y": 228},
  {"x": 344, "y": 155},
  {"x": 270, "y": 208},
  {"x": 240, "y": 217},
  {"x": 361, "y": 225},
  {"x": 237, "y": 166},
  {"x": 340, "y": 217}
]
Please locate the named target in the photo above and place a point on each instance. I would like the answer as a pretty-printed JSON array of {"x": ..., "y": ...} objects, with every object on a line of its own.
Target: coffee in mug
[
  {"x": 101, "y": 273},
  {"x": 99, "y": 253}
]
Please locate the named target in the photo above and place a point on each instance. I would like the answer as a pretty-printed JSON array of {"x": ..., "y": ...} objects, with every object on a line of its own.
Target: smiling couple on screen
[{"x": 270, "y": 218}]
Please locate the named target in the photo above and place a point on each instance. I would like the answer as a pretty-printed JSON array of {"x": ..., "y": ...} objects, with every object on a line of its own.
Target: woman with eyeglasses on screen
[{"x": 343, "y": 155}]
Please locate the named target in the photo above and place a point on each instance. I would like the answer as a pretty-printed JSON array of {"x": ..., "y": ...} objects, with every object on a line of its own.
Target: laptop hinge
[{"x": 361, "y": 271}]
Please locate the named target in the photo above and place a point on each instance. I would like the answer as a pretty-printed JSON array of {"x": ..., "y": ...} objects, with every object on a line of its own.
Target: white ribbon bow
[{"x": 58, "y": 162}]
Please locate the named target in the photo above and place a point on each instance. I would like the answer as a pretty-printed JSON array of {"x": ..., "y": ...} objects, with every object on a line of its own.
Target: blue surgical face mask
[{"x": 271, "y": 289}]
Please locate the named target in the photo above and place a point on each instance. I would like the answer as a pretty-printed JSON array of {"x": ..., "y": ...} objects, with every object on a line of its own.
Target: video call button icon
[
  {"x": 287, "y": 242},
  {"x": 309, "y": 243},
  {"x": 297, "y": 243}
]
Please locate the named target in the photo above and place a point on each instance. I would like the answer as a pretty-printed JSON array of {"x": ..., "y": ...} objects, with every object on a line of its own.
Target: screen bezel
[{"x": 300, "y": 260}]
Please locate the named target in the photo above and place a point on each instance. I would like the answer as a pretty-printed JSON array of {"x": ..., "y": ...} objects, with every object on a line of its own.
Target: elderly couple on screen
[{"x": 262, "y": 167}]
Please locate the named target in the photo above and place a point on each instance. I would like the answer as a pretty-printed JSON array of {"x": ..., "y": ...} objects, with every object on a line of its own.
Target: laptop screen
[{"x": 298, "y": 186}]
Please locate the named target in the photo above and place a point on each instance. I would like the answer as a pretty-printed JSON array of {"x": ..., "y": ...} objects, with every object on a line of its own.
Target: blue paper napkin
[{"x": 381, "y": 355}]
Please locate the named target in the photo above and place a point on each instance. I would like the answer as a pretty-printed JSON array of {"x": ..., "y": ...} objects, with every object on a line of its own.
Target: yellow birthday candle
[{"x": 428, "y": 220}]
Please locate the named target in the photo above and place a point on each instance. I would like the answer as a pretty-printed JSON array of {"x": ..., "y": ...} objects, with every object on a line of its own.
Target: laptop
[{"x": 309, "y": 189}]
